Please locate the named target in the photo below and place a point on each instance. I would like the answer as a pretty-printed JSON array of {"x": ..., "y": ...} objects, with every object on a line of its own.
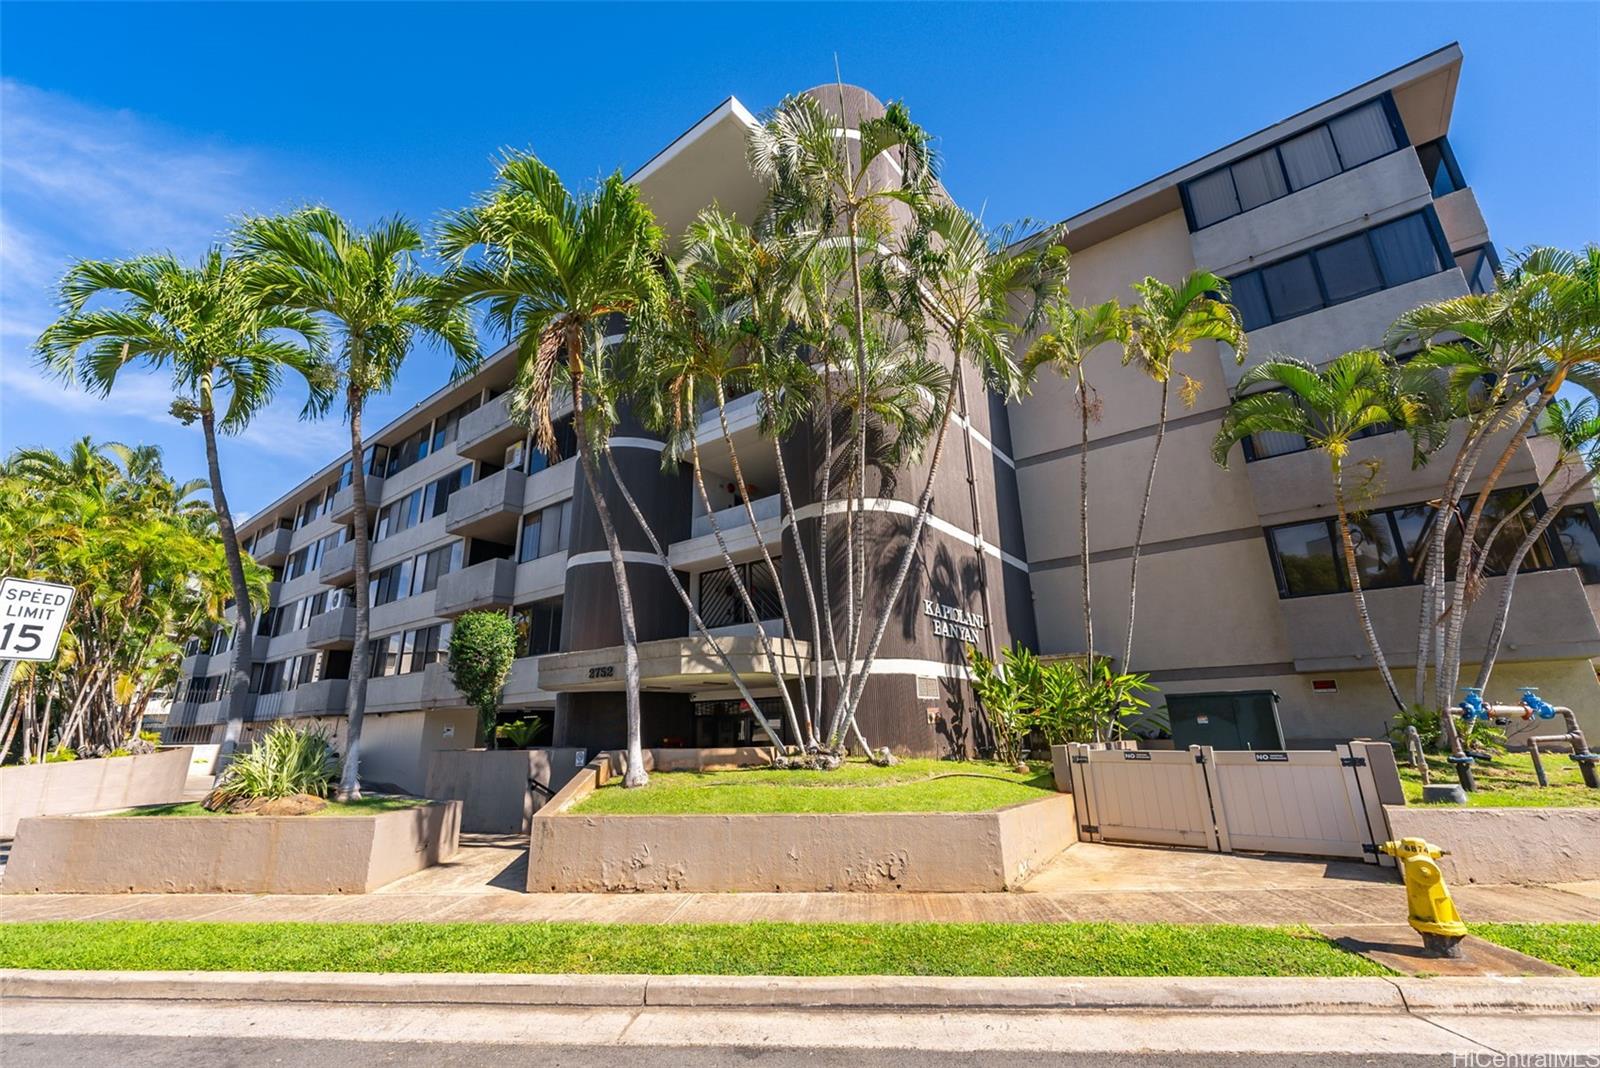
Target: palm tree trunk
[
  {"x": 1459, "y": 601},
  {"x": 1491, "y": 650},
  {"x": 1083, "y": 517},
  {"x": 243, "y": 619},
  {"x": 924, "y": 506},
  {"x": 688, "y": 603},
  {"x": 787, "y": 500},
  {"x": 840, "y": 670},
  {"x": 1138, "y": 536},
  {"x": 1353, "y": 569},
  {"x": 635, "y": 775},
  {"x": 355, "y": 708},
  {"x": 772, "y": 569}
]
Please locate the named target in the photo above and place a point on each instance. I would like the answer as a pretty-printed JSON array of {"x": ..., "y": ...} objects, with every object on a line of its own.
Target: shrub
[
  {"x": 482, "y": 646},
  {"x": 60, "y": 755},
  {"x": 284, "y": 762},
  {"x": 520, "y": 733},
  {"x": 1065, "y": 701}
]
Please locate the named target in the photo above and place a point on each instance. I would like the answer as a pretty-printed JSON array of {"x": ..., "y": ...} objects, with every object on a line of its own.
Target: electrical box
[{"x": 1242, "y": 719}]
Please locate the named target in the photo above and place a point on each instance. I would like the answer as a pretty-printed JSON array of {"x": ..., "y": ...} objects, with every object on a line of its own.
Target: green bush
[
  {"x": 60, "y": 755},
  {"x": 284, "y": 762},
  {"x": 520, "y": 733},
  {"x": 1065, "y": 701},
  {"x": 482, "y": 646}
]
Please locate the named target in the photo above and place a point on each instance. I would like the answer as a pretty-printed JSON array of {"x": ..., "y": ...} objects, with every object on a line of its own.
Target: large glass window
[
  {"x": 1250, "y": 297},
  {"x": 566, "y": 448},
  {"x": 1363, "y": 134},
  {"x": 1349, "y": 269},
  {"x": 1439, "y": 168},
  {"x": 539, "y": 628},
  {"x": 1291, "y": 287},
  {"x": 411, "y": 449},
  {"x": 1346, "y": 141},
  {"x": 1577, "y": 535},
  {"x": 1406, "y": 249},
  {"x": 1306, "y": 561},
  {"x": 448, "y": 425},
  {"x": 720, "y": 603},
  {"x": 545, "y": 532},
  {"x": 433, "y": 565}
]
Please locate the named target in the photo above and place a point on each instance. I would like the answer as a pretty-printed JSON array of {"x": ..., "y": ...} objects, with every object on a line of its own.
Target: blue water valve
[
  {"x": 1536, "y": 704},
  {"x": 1472, "y": 706}
]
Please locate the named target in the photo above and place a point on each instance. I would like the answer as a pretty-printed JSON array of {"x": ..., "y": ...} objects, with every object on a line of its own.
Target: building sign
[
  {"x": 952, "y": 622},
  {"x": 32, "y": 616}
]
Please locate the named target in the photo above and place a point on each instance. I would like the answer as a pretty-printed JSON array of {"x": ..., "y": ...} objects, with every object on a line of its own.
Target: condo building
[{"x": 1328, "y": 224}]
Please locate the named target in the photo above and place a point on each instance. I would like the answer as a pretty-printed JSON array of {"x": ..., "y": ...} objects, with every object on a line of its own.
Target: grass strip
[
  {"x": 909, "y": 786},
  {"x": 980, "y": 949},
  {"x": 1571, "y": 945},
  {"x": 1508, "y": 781},
  {"x": 364, "y": 806}
]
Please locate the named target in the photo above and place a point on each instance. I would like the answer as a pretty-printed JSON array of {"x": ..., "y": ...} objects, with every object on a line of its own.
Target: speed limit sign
[{"x": 32, "y": 616}]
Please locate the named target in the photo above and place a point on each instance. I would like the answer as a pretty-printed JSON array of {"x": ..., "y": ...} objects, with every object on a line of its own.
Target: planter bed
[
  {"x": 1506, "y": 845},
  {"x": 179, "y": 853},
  {"x": 97, "y": 784},
  {"x": 818, "y": 845}
]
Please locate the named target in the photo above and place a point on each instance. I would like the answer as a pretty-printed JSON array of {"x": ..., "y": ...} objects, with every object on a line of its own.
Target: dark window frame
[{"x": 1391, "y": 112}]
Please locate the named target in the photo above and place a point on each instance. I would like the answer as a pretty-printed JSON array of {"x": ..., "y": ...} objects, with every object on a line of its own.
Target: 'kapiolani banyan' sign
[{"x": 952, "y": 622}]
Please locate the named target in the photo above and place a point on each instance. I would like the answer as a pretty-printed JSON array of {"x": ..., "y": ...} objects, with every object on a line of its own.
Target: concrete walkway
[{"x": 1088, "y": 882}]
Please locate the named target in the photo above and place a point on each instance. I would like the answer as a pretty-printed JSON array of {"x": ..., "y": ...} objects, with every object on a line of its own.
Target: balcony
[
  {"x": 491, "y": 584},
  {"x": 490, "y": 509},
  {"x": 344, "y": 505},
  {"x": 333, "y": 629},
  {"x": 734, "y": 525},
  {"x": 484, "y": 434},
  {"x": 199, "y": 665},
  {"x": 733, "y": 519},
  {"x": 323, "y": 698},
  {"x": 338, "y": 566},
  {"x": 278, "y": 705},
  {"x": 1462, "y": 220},
  {"x": 272, "y": 548}
]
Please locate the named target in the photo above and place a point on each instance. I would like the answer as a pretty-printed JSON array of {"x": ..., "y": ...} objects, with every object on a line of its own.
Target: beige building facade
[{"x": 1329, "y": 224}]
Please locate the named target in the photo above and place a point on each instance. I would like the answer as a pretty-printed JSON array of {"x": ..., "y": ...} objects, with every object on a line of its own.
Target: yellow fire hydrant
[{"x": 1433, "y": 913}]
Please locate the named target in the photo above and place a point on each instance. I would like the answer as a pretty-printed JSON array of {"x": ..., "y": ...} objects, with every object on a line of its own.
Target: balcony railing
[
  {"x": 733, "y": 519},
  {"x": 338, "y": 565},
  {"x": 485, "y": 433},
  {"x": 272, "y": 548},
  {"x": 344, "y": 505},
  {"x": 491, "y": 584},
  {"x": 333, "y": 629},
  {"x": 490, "y": 509}
]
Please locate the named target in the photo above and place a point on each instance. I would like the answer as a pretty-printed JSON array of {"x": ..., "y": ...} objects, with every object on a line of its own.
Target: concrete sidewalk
[{"x": 484, "y": 882}]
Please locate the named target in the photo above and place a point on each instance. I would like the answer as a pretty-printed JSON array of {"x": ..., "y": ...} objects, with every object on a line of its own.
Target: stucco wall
[
  {"x": 492, "y": 785},
  {"x": 229, "y": 854},
  {"x": 1506, "y": 845},
  {"x": 91, "y": 785},
  {"x": 396, "y": 748},
  {"x": 922, "y": 851}
]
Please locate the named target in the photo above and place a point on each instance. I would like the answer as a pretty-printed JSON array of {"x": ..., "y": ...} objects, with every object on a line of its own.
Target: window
[
  {"x": 448, "y": 425},
  {"x": 1309, "y": 559},
  {"x": 385, "y": 655},
  {"x": 411, "y": 449},
  {"x": 429, "y": 567},
  {"x": 309, "y": 511},
  {"x": 720, "y": 603},
  {"x": 566, "y": 448},
  {"x": 373, "y": 461},
  {"x": 1479, "y": 266},
  {"x": 391, "y": 583},
  {"x": 1439, "y": 168},
  {"x": 298, "y": 564},
  {"x": 1383, "y": 257},
  {"x": 545, "y": 532},
  {"x": 398, "y": 515},
  {"x": 405, "y": 652},
  {"x": 436, "y": 497},
  {"x": 538, "y": 628},
  {"x": 1345, "y": 141}
]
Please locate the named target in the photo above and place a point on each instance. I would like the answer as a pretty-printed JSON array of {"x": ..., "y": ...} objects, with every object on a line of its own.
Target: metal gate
[{"x": 1315, "y": 802}]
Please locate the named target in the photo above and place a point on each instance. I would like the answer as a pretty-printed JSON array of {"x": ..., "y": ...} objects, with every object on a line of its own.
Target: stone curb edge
[{"x": 1282, "y": 995}]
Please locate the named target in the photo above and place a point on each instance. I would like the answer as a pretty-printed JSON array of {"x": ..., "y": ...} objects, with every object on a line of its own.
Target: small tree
[{"x": 482, "y": 646}]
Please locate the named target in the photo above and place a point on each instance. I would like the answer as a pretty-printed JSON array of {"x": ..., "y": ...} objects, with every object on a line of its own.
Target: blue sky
[{"x": 149, "y": 126}]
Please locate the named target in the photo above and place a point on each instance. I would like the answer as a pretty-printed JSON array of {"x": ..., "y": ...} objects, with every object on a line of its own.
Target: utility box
[{"x": 1242, "y": 719}]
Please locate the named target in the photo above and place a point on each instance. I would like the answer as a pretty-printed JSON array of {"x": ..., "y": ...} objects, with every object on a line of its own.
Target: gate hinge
[
  {"x": 1199, "y": 758},
  {"x": 1353, "y": 762},
  {"x": 1090, "y": 828}
]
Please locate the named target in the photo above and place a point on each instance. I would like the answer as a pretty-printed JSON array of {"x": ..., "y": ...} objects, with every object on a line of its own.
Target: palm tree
[
  {"x": 1537, "y": 330},
  {"x": 227, "y": 346},
  {"x": 1576, "y": 430},
  {"x": 1164, "y": 324},
  {"x": 1329, "y": 408},
  {"x": 554, "y": 269},
  {"x": 379, "y": 303},
  {"x": 1074, "y": 333}
]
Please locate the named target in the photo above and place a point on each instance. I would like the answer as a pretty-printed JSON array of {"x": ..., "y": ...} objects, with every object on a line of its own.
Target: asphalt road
[{"x": 57, "y": 1051}]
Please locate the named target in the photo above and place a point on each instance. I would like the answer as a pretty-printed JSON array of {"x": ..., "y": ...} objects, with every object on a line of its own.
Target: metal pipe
[
  {"x": 1419, "y": 760},
  {"x": 1458, "y": 753}
]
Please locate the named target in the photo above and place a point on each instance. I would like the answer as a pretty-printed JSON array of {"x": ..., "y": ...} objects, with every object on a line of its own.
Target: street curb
[{"x": 1286, "y": 995}]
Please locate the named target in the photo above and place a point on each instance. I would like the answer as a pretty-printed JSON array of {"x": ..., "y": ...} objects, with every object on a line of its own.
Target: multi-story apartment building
[{"x": 1328, "y": 224}]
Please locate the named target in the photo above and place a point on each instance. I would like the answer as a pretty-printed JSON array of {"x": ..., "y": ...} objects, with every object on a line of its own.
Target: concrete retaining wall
[
  {"x": 229, "y": 854},
  {"x": 1506, "y": 845},
  {"x": 920, "y": 851},
  {"x": 492, "y": 785},
  {"x": 102, "y": 784}
]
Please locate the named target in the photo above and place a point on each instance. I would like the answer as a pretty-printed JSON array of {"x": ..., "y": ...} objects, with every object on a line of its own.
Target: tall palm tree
[
  {"x": 553, "y": 269},
  {"x": 379, "y": 303},
  {"x": 1074, "y": 333},
  {"x": 227, "y": 345},
  {"x": 1166, "y": 323},
  {"x": 1536, "y": 331},
  {"x": 1329, "y": 408}
]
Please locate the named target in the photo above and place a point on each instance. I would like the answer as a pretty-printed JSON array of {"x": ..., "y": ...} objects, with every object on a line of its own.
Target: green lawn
[
  {"x": 1509, "y": 782},
  {"x": 1020, "y": 949},
  {"x": 910, "y": 786},
  {"x": 1571, "y": 945},
  {"x": 365, "y": 806}
]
